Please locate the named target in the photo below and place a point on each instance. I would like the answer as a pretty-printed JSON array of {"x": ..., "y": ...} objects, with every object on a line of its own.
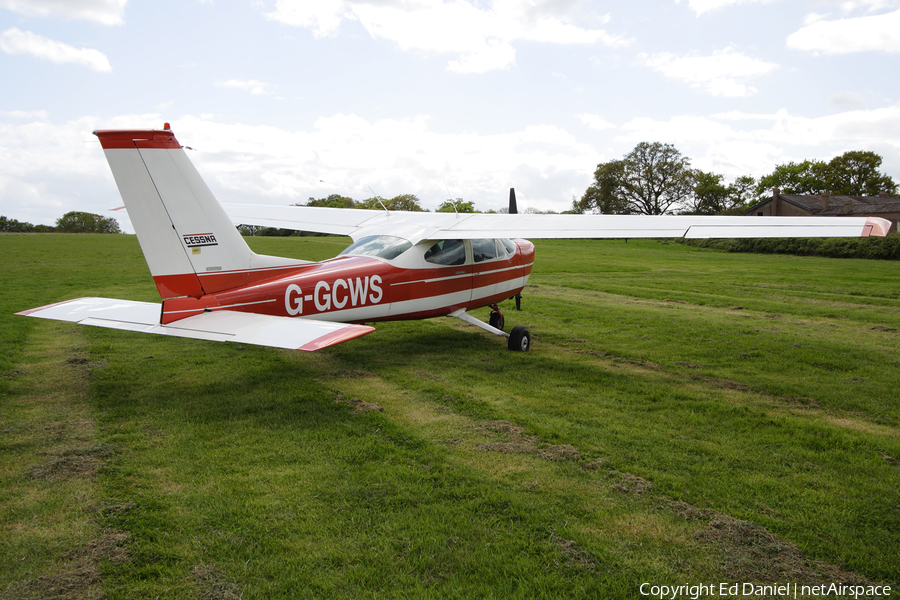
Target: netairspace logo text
[{"x": 789, "y": 590}]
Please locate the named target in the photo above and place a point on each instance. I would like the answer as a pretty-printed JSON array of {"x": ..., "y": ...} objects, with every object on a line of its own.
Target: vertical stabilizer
[{"x": 190, "y": 244}]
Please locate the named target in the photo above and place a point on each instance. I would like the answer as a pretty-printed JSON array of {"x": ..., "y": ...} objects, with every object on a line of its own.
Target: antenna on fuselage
[
  {"x": 377, "y": 197},
  {"x": 450, "y": 197}
]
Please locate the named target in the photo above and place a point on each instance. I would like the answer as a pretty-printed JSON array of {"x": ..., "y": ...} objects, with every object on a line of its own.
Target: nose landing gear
[
  {"x": 519, "y": 340},
  {"x": 496, "y": 319}
]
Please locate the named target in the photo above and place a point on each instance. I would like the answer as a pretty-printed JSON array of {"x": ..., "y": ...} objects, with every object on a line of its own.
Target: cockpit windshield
[{"x": 387, "y": 247}]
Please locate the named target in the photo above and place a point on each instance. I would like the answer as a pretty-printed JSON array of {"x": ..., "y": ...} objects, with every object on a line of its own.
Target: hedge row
[{"x": 884, "y": 248}]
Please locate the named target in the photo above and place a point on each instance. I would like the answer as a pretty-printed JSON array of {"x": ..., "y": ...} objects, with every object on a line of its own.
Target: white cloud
[
  {"x": 737, "y": 143},
  {"x": 14, "y": 41},
  {"x": 856, "y": 126},
  {"x": 595, "y": 122},
  {"x": 874, "y": 33},
  {"x": 724, "y": 73},
  {"x": 256, "y": 88},
  {"x": 703, "y": 6},
  {"x": 323, "y": 16},
  {"x": 390, "y": 156},
  {"x": 105, "y": 12},
  {"x": 870, "y": 5},
  {"x": 40, "y": 115},
  {"x": 847, "y": 101},
  {"x": 481, "y": 38},
  {"x": 814, "y": 18},
  {"x": 49, "y": 168}
]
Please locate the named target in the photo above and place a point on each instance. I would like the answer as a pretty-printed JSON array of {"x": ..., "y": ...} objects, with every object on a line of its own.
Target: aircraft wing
[
  {"x": 220, "y": 326},
  {"x": 338, "y": 221},
  {"x": 416, "y": 226}
]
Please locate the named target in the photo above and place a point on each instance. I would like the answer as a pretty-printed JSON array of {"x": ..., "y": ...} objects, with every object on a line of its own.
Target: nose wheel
[{"x": 518, "y": 340}]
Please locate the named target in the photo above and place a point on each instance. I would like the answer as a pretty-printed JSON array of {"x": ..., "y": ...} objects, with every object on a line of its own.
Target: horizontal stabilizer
[{"x": 218, "y": 326}]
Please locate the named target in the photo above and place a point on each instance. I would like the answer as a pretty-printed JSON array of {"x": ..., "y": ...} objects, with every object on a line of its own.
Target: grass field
[{"x": 685, "y": 416}]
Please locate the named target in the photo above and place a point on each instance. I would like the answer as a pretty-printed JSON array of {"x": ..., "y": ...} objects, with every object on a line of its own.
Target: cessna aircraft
[{"x": 401, "y": 265}]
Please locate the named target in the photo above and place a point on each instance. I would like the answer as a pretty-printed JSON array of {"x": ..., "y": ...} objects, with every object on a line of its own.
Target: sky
[{"x": 279, "y": 101}]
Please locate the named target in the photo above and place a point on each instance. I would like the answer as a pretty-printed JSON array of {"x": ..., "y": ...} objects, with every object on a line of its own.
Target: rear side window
[{"x": 447, "y": 252}]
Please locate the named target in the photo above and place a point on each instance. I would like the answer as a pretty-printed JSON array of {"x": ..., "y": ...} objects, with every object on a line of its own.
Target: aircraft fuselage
[{"x": 358, "y": 289}]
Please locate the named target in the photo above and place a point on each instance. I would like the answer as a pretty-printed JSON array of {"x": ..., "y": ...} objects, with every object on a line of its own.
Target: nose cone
[{"x": 526, "y": 249}]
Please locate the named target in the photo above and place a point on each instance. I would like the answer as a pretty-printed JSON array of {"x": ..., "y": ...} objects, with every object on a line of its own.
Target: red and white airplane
[{"x": 401, "y": 265}]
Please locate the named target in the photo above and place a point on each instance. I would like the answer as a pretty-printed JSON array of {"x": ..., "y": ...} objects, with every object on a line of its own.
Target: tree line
[
  {"x": 655, "y": 178},
  {"x": 71, "y": 222},
  {"x": 407, "y": 202}
]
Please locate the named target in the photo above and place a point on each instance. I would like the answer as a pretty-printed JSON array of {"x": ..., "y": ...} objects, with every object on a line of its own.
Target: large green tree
[
  {"x": 402, "y": 202},
  {"x": 83, "y": 222},
  {"x": 407, "y": 202},
  {"x": 652, "y": 179},
  {"x": 603, "y": 196},
  {"x": 332, "y": 201},
  {"x": 458, "y": 205},
  {"x": 807, "y": 177},
  {"x": 712, "y": 197},
  {"x": 853, "y": 173}
]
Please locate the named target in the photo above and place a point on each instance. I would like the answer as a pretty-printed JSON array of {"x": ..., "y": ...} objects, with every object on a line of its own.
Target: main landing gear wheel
[{"x": 519, "y": 339}]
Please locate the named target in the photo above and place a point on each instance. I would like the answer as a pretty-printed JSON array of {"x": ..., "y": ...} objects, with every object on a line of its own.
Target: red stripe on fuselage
[
  {"x": 218, "y": 281},
  {"x": 361, "y": 289}
]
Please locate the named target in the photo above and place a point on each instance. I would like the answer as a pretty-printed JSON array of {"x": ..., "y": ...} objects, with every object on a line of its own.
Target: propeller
[{"x": 513, "y": 209}]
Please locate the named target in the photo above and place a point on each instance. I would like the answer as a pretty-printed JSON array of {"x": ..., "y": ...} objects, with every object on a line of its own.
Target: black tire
[
  {"x": 519, "y": 339},
  {"x": 497, "y": 320}
]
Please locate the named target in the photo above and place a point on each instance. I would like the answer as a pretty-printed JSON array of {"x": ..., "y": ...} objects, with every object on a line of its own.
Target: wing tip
[
  {"x": 876, "y": 226},
  {"x": 32, "y": 311},
  {"x": 339, "y": 336}
]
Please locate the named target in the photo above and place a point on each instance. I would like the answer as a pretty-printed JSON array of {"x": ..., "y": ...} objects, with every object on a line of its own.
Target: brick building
[{"x": 829, "y": 205}]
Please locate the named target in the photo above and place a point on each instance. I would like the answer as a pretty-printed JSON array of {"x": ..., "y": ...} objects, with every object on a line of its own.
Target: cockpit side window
[
  {"x": 484, "y": 250},
  {"x": 447, "y": 252},
  {"x": 508, "y": 244},
  {"x": 387, "y": 247}
]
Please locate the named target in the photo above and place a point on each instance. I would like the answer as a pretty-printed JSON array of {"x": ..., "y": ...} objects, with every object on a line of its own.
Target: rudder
[{"x": 190, "y": 244}]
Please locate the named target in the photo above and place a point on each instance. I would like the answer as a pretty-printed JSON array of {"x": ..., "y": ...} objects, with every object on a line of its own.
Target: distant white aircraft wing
[
  {"x": 219, "y": 326},
  {"x": 417, "y": 226}
]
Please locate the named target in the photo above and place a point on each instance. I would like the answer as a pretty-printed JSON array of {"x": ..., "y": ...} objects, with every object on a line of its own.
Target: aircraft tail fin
[{"x": 189, "y": 242}]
